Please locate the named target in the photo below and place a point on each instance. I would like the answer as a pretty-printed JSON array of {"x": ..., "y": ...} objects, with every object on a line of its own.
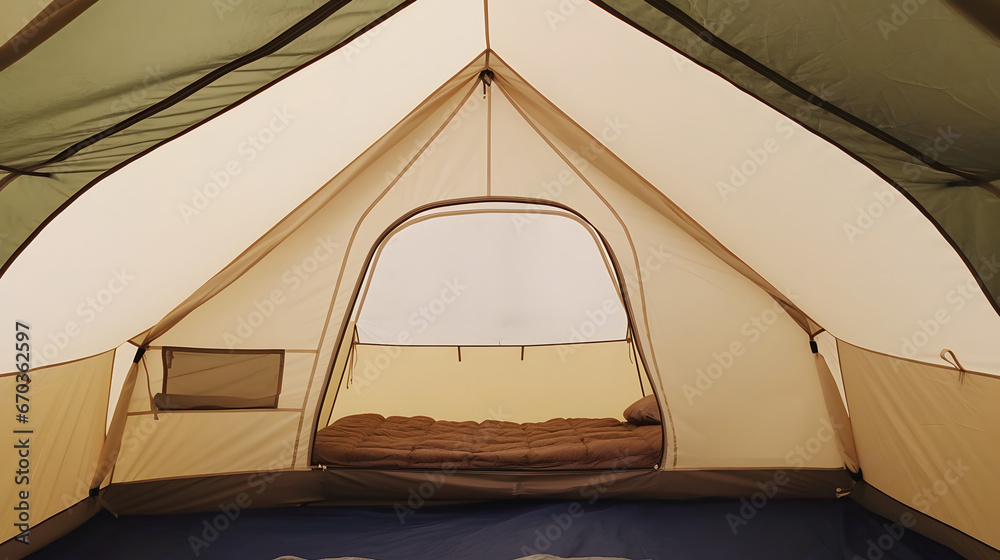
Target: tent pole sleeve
[
  {"x": 113, "y": 441},
  {"x": 51, "y": 20},
  {"x": 842, "y": 430}
]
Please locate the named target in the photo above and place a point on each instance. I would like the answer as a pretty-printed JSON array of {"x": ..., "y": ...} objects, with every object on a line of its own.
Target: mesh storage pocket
[{"x": 220, "y": 379}]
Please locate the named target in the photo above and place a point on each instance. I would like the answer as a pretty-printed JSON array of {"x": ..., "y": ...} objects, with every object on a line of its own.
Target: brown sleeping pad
[{"x": 373, "y": 441}]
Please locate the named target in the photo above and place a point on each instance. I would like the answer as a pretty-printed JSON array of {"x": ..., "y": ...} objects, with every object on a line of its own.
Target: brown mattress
[{"x": 374, "y": 441}]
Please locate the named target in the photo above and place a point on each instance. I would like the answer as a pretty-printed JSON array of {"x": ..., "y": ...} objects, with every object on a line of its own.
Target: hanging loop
[
  {"x": 954, "y": 361},
  {"x": 486, "y": 76}
]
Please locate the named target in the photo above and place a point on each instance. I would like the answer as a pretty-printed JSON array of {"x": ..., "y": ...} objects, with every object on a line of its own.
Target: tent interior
[
  {"x": 334, "y": 253},
  {"x": 505, "y": 318},
  {"x": 476, "y": 289}
]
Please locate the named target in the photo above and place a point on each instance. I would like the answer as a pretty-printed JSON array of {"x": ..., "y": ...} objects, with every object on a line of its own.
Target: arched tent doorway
[{"x": 491, "y": 311}]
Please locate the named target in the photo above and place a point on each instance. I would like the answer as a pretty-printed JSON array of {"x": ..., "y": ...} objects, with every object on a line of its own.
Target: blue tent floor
[{"x": 799, "y": 529}]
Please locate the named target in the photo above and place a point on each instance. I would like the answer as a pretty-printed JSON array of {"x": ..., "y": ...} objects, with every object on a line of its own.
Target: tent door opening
[{"x": 492, "y": 335}]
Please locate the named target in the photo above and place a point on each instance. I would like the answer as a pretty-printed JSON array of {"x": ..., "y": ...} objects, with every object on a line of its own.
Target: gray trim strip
[{"x": 365, "y": 487}]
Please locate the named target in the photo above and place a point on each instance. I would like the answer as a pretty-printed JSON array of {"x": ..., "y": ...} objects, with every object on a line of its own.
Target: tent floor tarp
[{"x": 792, "y": 529}]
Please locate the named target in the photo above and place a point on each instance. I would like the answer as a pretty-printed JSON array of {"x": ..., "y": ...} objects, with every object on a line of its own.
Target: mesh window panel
[{"x": 220, "y": 379}]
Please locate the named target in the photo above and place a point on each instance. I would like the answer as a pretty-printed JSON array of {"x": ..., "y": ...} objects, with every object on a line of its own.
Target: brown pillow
[{"x": 643, "y": 411}]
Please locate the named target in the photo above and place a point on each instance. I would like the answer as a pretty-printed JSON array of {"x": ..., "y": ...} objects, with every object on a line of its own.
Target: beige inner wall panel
[
  {"x": 184, "y": 443},
  {"x": 443, "y": 161},
  {"x": 341, "y": 204},
  {"x": 927, "y": 439},
  {"x": 594, "y": 380},
  {"x": 703, "y": 131},
  {"x": 690, "y": 284},
  {"x": 736, "y": 370},
  {"x": 828, "y": 349},
  {"x": 526, "y": 165},
  {"x": 455, "y": 169},
  {"x": 66, "y": 413},
  {"x": 124, "y": 355},
  {"x": 722, "y": 347},
  {"x": 295, "y": 379},
  {"x": 283, "y": 301}
]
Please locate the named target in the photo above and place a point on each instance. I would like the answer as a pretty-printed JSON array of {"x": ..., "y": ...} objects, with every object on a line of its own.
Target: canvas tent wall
[
  {"x": 718, "y": 211},
  {"x": 515, "y": 304},
  {"x": 362, "y": 210}
]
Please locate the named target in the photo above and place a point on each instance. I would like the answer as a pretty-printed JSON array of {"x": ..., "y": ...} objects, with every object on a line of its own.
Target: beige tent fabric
[
  {"x": 440, "y": 155},
  {"x": 312, "y": 129},
  {"x": 124, "y": 358},
  {"x": 150, "y": 442},
  {"x": 976, "y": 328},
  {"x": 593, "y": 380},
  {"x": 926, "y": 436},
  {"x": 704, "y": 130},
  {"x": 148, "y": 380},
  {"x": 343, "y": 360},
  {"x": 293, "y": 289},
  {"x": 293, "y": 315},
  {"x": 841, "y": 421},
  {"x": 191, "y": 443},
  {"x": 726, "y": 350},
  {"x": 574, "y": 195},
  {"x": 66, "y": 416},
  {"x": 680, "y": 264},
  {"x": 118, "y": 415},
  {"x": 827, "y": 345},
  {"x": 393, "y": 145},
  {"x": 384, "y": 196},
  {"x": 591, "y": 151},
  {"x": 295, "y": 379}
]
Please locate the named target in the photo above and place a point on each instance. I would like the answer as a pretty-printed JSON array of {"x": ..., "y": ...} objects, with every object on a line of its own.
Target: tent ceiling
[
  {"x": 698, "y": 148},
  {"x": 87, "y": 100},
  {"x": 692, "y": 147},
  {"x": 261, "y": 159},
  {"x": 910, "y": 91},
  {"x": 894, "y": 73}
]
